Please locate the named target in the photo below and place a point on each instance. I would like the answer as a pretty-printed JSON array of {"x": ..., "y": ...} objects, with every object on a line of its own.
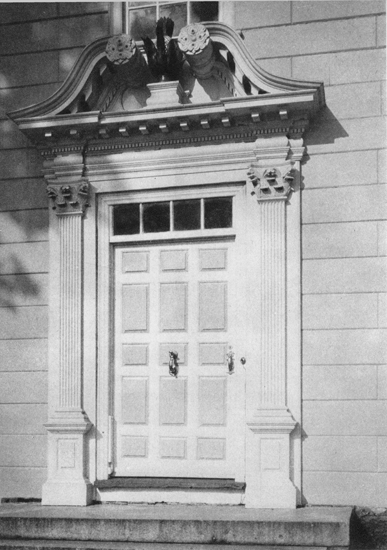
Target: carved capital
[
  {"x": 274, "y": 183},
  {"x": 71, "y": 198}
]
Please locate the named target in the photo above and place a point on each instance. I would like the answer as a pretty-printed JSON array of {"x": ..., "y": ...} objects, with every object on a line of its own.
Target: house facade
[{"x": 193, "y": 294}]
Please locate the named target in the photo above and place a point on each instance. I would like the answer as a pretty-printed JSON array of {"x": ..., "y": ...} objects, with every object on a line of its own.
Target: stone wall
[
  {"x": 39, "y": 44},
  {"x": 344, "y": 238}
]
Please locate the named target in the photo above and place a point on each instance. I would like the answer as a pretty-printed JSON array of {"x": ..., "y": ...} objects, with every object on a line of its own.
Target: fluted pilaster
[
  {"x": 272, "y": 178},
  {"x": 70, "y": 390},
  {"x": 273, "y": 303},
  {"x": 67, "y": 482}
]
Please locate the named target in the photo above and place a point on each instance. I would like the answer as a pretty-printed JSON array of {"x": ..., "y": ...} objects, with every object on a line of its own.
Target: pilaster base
[
  {"x": 268, "y": 483},
  {"x": 60, "y": 493},
  {"x": 67, "y": 484}
]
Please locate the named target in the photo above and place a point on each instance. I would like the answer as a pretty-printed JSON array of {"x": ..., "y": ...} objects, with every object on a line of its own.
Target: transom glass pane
[
  {"x": 178, "y": 14},
  {"x": 142, "y": 16},
  {"x": 126, "y": 219},
  {"x": 186, "y": 215},
  {"x": 156, "y": 217},
  {"x": 183, "y": 215},
  {"x": 218, "y": 213},
  {"x": 142, "y": 22},
  {"x": 204, "y": 11}
]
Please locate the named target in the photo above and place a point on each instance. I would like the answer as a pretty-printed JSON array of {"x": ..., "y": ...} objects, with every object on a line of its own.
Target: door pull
[
  {"x": 173, "y": 364},
  {"x": 230, "y": 356}
]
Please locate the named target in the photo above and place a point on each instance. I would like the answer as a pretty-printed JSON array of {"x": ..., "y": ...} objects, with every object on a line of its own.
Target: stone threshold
[
  {"x": 167, "y": 525},
  {"x": 167, "y": 483},
  {"x": 95, "y": 545}
]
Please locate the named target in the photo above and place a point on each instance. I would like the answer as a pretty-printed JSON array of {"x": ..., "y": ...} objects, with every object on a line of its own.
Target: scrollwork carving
[{"x": 71, "y": 198}]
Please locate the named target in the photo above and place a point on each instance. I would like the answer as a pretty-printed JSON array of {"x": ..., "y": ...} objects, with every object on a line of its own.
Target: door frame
[
  {"x": 190, "y": 168},
  {"x": 106, "y": 245}
]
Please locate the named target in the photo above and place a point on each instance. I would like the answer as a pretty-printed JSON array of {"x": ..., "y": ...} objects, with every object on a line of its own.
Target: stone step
[
  {"x": 95, "y": 545},
  {"x": 161, "y": 526}
]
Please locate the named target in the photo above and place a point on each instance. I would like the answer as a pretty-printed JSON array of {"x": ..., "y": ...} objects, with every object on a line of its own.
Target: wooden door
[{"x": 178, "y": 411}]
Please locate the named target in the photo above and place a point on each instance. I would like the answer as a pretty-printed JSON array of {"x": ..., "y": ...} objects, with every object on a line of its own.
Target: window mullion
[
  {"x": 141, "y": 218},
  {"x": 171, "y": 219}
]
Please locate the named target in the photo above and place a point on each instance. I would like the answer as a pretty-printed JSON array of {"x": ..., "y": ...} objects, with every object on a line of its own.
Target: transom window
[
  {"x": 179, "y": 215},
  {"x": 142, "y": 16}
]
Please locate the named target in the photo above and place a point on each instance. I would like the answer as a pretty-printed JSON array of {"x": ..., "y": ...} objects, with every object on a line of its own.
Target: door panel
[{"x": 176, "y": 298}]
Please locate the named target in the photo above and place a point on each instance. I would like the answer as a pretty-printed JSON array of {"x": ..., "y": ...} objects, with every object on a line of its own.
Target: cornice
[{"x": 156, "y": 140}]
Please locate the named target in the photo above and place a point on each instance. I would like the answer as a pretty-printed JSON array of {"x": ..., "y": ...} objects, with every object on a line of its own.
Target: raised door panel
[{"x": 173, "y": 299}]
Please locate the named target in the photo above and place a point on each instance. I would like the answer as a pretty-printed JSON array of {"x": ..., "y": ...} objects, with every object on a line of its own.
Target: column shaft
[
  {"x": 70, "y": 391},
  {"x": 273, "y": 303}
]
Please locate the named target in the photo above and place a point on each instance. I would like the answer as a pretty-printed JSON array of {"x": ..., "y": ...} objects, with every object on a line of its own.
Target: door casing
[{"x": 192, "y": 169}]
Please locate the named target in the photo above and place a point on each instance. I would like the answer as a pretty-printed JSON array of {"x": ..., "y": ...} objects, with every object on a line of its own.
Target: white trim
[{"x": 117, "y": 18}]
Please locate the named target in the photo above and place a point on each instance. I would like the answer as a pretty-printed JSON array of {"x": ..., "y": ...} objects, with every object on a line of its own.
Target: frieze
[
  {"x": 69, "y": 199},
  {"x": 185, "y": 140}
]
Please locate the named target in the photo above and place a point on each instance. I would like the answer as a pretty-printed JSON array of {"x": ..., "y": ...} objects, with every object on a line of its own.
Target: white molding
[
  {"x": 116, "y": 18},
  {"x": 227, "y": 12}
]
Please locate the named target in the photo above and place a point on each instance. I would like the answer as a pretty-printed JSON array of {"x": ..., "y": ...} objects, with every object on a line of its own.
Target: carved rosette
[
  {"x": 71, "y": 198},
  {"x": 271, "y": 183},
  {"x": 195, "y": 42},
  {"x": 129, "y": 67},
  {"x": 120, "y": 49}
]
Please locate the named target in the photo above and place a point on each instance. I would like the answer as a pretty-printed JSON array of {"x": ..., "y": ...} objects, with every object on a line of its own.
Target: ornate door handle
[
  {"x": 230, "y": 356},
  {"x": 173, "y": 364}
]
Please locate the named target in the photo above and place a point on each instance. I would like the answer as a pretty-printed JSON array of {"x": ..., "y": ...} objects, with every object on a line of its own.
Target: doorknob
[{"x": 230, "y": 356}]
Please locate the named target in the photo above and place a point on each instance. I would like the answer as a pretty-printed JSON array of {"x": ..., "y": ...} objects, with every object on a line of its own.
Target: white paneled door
[{"x": 178, "y": 411}]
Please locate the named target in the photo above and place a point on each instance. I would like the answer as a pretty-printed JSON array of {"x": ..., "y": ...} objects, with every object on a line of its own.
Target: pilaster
[
  {"x": 273, "y": 178},
  {"x": 68, "y": 424}
]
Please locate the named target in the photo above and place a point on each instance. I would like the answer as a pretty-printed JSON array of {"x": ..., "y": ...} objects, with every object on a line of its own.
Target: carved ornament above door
[{"x": 113, "y": 98}]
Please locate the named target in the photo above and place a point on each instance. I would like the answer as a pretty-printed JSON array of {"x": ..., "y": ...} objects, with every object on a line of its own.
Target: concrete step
[
  {"x": 156, "y": 527},
  {"x": 94, "y": 545}
]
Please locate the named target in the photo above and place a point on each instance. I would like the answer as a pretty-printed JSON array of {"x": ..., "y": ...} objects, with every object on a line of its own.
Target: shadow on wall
[
  {"x": 17, "y": 287},
  {"x": 23, "y": 251},
  {"x": 324, "y": 129}
]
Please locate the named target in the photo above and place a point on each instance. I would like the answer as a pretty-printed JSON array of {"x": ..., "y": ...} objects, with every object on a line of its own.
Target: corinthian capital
[
  {"x": 271, "y": 183},
  {"x": 70, "y": 198}
]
